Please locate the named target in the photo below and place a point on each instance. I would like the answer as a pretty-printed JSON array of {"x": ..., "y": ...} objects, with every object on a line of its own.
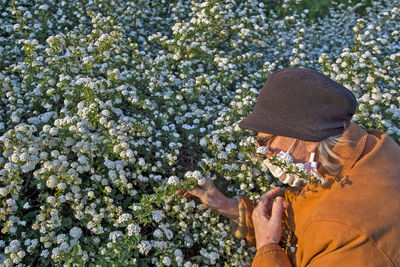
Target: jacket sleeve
[
  {"x": 242, "y": 227},
  {"x": 271, "y": 255},
  {"x": 328, "y": 243}
]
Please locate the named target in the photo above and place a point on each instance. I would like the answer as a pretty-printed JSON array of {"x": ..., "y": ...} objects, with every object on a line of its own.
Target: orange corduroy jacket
[{"x": 352, "y": 220}]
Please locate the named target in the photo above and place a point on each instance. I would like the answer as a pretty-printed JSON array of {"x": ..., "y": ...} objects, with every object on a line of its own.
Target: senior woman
[{"x": 351, "y": 216}]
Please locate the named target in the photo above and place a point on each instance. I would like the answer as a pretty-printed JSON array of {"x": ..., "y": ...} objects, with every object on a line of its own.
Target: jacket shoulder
[{"x": 334, "y": 243}]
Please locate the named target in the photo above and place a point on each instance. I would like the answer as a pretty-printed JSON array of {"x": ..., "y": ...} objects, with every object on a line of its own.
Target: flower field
[{"x": 108, "y": 107}]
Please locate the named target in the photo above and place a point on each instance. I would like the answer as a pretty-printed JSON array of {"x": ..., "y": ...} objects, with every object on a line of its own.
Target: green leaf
[{"x": 67, "y": 222}]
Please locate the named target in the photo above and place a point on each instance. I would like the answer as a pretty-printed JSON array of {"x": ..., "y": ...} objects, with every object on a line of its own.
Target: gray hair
[{"x": 328, "y": 159}]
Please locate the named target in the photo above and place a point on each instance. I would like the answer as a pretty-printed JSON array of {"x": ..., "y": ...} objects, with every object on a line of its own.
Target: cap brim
[
  {"x": 261, "y": 123},
  {"x": 258, "y": 123}
]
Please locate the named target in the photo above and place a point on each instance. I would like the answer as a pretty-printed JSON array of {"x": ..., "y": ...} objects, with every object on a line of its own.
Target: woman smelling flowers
[{"x": 342, "y": 204}]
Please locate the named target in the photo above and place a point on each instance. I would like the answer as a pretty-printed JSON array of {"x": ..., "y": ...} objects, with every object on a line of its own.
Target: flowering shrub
[{"x": 108, "y": 107}]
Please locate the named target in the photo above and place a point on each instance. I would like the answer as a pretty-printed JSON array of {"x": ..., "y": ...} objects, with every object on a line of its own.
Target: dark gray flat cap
[{"x": 302, "y": 104}]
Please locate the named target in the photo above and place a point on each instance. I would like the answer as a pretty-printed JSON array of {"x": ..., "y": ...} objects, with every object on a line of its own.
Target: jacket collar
[
  {"x": 349, "y": 149},
  {"x": 350, "y": 146}
]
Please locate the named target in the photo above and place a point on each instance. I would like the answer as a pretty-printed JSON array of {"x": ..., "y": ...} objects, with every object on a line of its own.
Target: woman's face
[{"x": 282, "y": 143}]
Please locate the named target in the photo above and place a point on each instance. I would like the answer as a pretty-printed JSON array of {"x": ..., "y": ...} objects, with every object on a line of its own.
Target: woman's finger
[
  {"x": 277, "y": 208},
  {"x": 273, "y": 192},
  {"x": 196, "y": 191},
  {"x": 267, "y": 197},
  {"x": 286, "y": 204}
]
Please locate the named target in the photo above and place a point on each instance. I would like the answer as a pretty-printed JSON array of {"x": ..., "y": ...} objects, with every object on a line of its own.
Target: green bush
[{"x": 108, "y": 107}]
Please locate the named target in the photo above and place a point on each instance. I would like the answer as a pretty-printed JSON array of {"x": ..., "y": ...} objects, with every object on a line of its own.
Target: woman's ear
[{"x": 311, "y": 146}]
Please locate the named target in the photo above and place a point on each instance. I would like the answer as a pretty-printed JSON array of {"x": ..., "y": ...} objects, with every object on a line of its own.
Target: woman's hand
[
  {"x": 267, "y": 218},
  {"x": 212, "y": 198}
]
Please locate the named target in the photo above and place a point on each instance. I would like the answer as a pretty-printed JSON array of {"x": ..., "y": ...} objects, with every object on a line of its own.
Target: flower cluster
[
  {"x": 197, "y": 176},
  {"x": 108, "y": 107},
  {"x": 285, "y": 163}
]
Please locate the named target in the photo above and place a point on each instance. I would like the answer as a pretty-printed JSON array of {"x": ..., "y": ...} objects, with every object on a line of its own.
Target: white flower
[
  {"x": 124, "y": 218},
  {"x": 114, "y": 236},
  {"x": 53, "y": 131},
  {"x": 200, "y": 179},
  {"x": 158, "y": 233},
  {"x": 112, "y": 174},
  {"x": 133, "y": 229},
  {"x": 43, "y": 155},
  {"x": 75, "y": 232},
  {"x": 61, "y": 238},
  {"x": 178, "y": 253},
  {"x": 203, "y": 142},
  {"x": 285, "y": 157},
  {"x": 370, "y": 79},
  {"x": 173, "y": 180},
  {"x": 166, "y": 261},
  {"x": 64, "y": 246},
  {"x": 44, "y": 253},
  {"x": 51, "y": 199},
  {"x": 55, "y": 154},
  {"x": 90, "y": 225},
  {"x": 157, "y": 215},
  {"x": 142, "y": 162},
  {"x": 262, "y": 150},
  {"x": 168, "y": 233},
  {"x": 10, "y": 202},
  {"x": 44, "y": 7},
  {"x": 144, "y": 247},
  {"x": 62, "y": 186}
]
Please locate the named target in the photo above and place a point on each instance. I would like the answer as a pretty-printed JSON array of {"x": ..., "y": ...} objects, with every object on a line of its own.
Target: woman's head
[{"x": 302, "y": 104}]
